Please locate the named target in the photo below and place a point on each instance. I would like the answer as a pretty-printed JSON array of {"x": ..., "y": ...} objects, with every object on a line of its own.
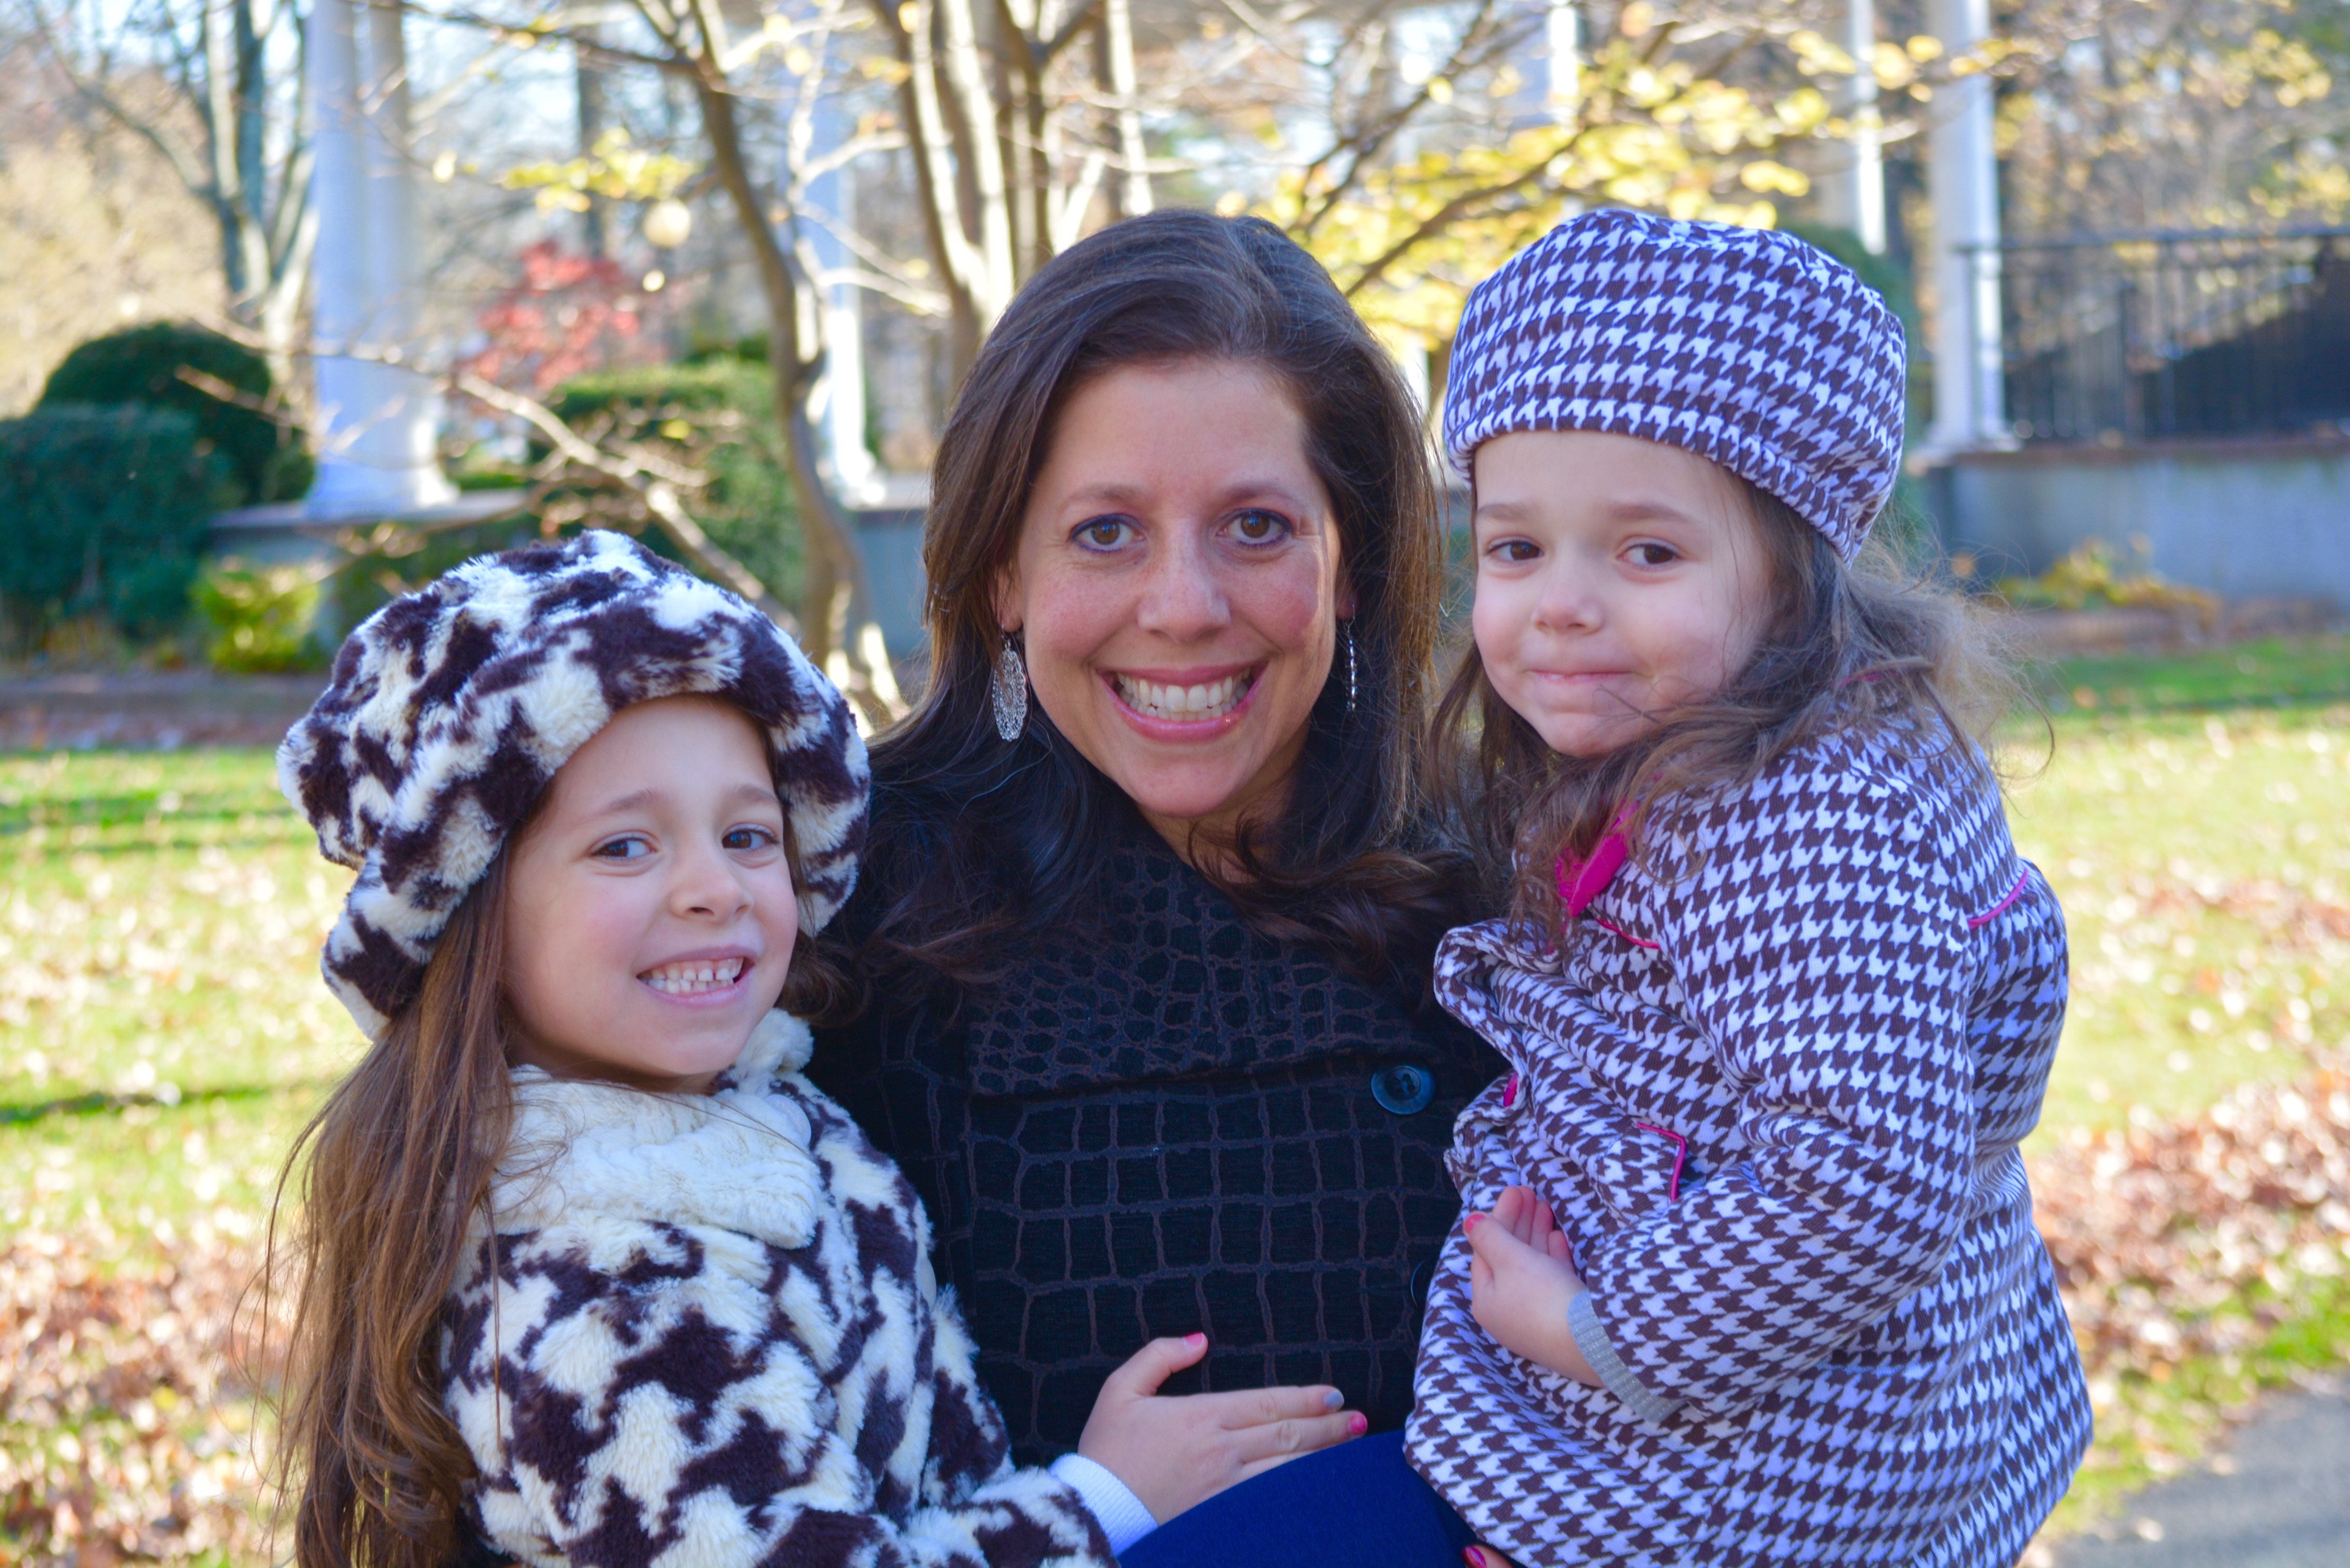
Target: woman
[{"x": 1147, "y": 919}]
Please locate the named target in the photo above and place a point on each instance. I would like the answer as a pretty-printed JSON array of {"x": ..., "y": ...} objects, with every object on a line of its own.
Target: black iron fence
[{"x": 2143, "y": 337}]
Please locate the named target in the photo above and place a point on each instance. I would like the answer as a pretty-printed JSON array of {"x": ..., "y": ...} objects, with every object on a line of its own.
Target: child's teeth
[{"x": 685, "y": 979}]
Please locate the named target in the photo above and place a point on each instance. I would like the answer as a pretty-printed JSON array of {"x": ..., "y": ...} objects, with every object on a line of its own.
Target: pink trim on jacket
[
  {"x": 1680, "y": 1147},
  {"x": 1996, "y": 911}
]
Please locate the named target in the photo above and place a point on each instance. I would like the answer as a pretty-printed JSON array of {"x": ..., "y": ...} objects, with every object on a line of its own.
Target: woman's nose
[{"x": 1183, "y": 596}]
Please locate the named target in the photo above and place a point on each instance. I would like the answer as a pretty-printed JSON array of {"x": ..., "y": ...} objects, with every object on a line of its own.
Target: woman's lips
[{"x": 1183, "y": 705}]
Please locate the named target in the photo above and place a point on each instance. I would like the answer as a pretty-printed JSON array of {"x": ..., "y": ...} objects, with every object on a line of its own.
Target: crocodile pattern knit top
[{"x": 1164, "y": 1122}]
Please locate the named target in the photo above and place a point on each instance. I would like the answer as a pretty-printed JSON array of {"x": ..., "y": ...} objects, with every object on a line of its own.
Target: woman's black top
[{"x": 1158, "y": 1122}]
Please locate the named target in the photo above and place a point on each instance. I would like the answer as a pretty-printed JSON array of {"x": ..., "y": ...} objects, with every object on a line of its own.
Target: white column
[
  {"x": 1853, "y": 198},
  {"x": 1562, "y": 61},
  {"x": 1963, "y": 173},
  {"x": 378, "y": 416},
  {"x": 841, "y": 398}
]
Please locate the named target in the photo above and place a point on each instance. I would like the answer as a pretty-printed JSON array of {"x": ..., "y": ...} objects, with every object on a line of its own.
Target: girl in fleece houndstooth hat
[
  {"x": 1749, "y": 1273},
  {"x": 590, "y": 1269}
]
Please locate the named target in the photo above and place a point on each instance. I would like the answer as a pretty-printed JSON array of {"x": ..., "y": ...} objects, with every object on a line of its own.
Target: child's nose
[
  {"x": 707, "y": 885},
  {"x": 1567, "y": 602}
]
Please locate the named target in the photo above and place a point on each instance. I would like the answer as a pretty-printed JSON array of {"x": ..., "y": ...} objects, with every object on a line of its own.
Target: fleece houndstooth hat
[
  {"x": 450, "y": 709},
  {"x": 1744, "y": 346}
]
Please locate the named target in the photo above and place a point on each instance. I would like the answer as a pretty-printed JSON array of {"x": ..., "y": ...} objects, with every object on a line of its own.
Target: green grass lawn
[
  {"x": 163, "y": 1027},
  {"x": 2200, "y": 858},
  {"x": 164, "y": 1031}
]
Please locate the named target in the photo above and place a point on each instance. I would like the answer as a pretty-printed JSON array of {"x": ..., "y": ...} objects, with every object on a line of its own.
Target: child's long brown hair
[
  {"x": 393, "y": 1166},
  {"x": 1841, "y": 643}
]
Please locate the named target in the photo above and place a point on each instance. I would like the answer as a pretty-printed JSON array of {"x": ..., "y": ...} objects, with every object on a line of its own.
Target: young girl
[
  {"x": 591, "y": 1272},
  {"x": 1748, "y": 1275}
]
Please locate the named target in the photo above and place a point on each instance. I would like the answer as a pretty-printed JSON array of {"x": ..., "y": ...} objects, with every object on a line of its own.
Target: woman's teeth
[
  {"x": 692, "y": 979},
  {"x": 1212, "y": 700}
]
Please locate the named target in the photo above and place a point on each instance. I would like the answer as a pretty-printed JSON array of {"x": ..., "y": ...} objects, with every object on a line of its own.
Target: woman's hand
[
  {"x": 1521, "y": 1277},
  {"x": 1173, "y": 1450}
]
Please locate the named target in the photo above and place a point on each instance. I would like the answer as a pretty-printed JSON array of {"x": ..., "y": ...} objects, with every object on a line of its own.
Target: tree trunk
[
  {"x": 837, "y": 626},
  {"x": 1117, "y": 45},
  {"x": 589, "y": 80}
]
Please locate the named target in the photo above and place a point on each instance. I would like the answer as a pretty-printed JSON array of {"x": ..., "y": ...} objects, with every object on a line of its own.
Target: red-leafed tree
[{"x": 566, "y": 314}]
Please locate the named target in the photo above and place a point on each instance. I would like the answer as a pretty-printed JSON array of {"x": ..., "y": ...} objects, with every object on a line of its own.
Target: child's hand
[
  {"x": 1173, "y": 1450},
  {"x": 1521, "y": 1277}
]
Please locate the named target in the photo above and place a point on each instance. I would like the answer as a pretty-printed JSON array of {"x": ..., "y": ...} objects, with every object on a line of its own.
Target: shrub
[
  {"x": 263, "y": 618},
  {"x": 393, "y": 562},
  {"x": 107, "y": 509},
  {"x": 717, "y": 415},
  {"x": 142, "y": 365}
]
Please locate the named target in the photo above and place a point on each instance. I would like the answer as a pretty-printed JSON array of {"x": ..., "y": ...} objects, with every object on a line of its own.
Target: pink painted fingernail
[
  {"x": 1472, "y": 1556},
  {"x": 1471, "y": 1223},
  {"x": 1195, "y": 1339},
  {"x": 1358, "y": 1423}
]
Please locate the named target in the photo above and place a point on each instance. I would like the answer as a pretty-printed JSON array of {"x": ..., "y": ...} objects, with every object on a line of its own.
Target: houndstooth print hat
[
  {"x": 1744, "y": 346},
  {"x": 450, "y": 710}
]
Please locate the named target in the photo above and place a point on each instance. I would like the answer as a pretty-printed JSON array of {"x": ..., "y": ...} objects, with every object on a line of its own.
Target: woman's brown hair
[
  {"x": 979, "y": 839},
  {"x": 391, "y": 1171},
  {"x": 1843, "y": 644}
]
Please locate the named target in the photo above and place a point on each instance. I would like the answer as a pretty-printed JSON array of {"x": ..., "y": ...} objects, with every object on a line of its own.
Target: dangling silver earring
[
  {"x": 1008, "y": 690},
  {"x": 1347, "y": 626}
]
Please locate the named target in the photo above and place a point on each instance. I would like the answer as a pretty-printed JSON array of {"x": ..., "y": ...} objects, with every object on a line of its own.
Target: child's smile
[
  {"x": 700, "y": 978},
  {"x": 1616, "y": 580}
]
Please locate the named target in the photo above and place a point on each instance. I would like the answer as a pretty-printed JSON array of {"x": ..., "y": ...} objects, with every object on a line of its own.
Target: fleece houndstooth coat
[
  {"x": 1772, "y": 1086},
  {"x": 711, "y": 1339}
]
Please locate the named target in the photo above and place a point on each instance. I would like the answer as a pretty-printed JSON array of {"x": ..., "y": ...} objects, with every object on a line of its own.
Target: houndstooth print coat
[
  {"x": 712, "y": 1340},
  {"x": 1772, "y": 1086}
]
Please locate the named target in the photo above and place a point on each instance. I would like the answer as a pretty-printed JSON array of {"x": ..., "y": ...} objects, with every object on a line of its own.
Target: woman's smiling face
[{"x": 1178, "y": 584}]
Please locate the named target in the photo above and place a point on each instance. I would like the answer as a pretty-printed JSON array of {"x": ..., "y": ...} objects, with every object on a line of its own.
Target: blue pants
[{"x": 1358, "y": 1503}]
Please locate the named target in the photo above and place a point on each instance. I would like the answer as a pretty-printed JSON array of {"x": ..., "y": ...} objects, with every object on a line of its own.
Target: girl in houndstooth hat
[
  {"x": 1749, "y": 1273},
  {"x": 590, "y": 1272}
]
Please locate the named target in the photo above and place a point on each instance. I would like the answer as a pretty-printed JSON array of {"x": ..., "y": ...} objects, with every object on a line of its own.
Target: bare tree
[{"x": 233, "y": 68}]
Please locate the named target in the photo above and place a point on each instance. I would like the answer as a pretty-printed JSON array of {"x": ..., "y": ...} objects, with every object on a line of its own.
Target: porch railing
[{"x": 2163, "y": 336}]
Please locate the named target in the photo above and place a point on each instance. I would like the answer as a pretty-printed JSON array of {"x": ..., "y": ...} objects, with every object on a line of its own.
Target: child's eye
[
  {"x": 1103, "y": 533},
  {"x": 741, "y": 839},
  {"x": 1654, "y": 554},
  {"x": 1260, "y": 527},
  {"x": 1517, "y": 552},
  {"x": 628, "y": 847}
]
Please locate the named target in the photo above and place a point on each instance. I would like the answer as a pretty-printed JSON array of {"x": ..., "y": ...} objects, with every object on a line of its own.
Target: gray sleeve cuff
[{"x": 1583, "y": 1322}]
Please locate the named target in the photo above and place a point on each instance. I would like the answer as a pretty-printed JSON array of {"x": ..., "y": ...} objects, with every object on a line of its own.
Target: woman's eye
[
  {"x": 1103, "y": 533},
  {"x": 1260, "y": 527},
  {"x": 628, "y": 846},
  {"x": 743, "y": 838},
  {"x": 1655, "y": 554}
]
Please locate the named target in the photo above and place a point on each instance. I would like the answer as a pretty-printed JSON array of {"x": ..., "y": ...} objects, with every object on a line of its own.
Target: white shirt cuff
[{"x": 1110, "y": 1500}]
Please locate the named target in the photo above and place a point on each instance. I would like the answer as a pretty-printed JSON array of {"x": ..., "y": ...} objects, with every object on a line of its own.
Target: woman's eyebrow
[
  {"x": 1112, "y": 492},
  {"x": 1108, "y": 492}
]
